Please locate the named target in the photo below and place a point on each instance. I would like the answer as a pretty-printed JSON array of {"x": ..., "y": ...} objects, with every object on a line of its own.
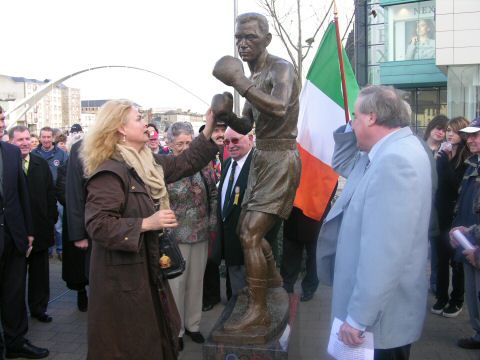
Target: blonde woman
[{"x": 132, "y": 314}]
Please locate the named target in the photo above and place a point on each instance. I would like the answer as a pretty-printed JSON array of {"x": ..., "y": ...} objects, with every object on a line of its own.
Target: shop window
[
  {"x": 374, "y": 75},
  {"x": 464, "y": 91},
  {"x": 425, "y": 103},
  {"x": 376, "y": 54},
  {"x": 411, "y": 31}
]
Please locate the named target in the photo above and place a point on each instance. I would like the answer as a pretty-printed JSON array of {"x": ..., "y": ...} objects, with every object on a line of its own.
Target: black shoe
[
  {"x": 180, "y": 344},
  {"x": 207, "y": 307},
  {"x": 82, "y": 300},
  {"x": 44, "y": 317},
  {"x": 306, "y": 297},
  {"x": 27, "y": 351},
  {"x": 195, "y": 336},
  {"x": 468, "y": 343},
  {"x": 451, "y": 311},
  {"x": 438, "y": 307}
]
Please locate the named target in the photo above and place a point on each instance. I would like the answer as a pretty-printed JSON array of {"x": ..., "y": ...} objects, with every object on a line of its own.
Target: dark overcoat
[
  {"x": 132, "y": 314},
  {"x": 71, "y": 194},
  {"x": 42, "y": 201},
  {"x": 15, "y": 213},
  {"x": 227, "y": 245}
]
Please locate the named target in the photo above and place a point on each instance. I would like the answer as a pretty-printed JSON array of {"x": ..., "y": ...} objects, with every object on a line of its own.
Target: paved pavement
[{"x": 65, "y": 337}]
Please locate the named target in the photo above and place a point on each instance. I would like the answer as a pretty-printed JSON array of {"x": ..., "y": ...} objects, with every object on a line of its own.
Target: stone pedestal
[{"x": 222, "y": 345}]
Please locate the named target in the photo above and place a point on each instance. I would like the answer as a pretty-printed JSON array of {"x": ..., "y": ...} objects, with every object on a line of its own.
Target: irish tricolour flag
[{"x": 321, "y": 112}]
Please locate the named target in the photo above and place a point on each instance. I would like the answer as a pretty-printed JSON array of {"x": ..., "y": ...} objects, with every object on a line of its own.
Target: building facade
[
  {"x": 458, "y": 54},
  {"x": 396, "y": 45},
  {"x": 161, "y": 117},
  {"x": 58, "y": 109}
]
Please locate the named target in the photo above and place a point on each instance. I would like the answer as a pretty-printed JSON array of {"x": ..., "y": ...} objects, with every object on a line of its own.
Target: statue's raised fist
[
  {"x": 222, "y": 104},
  {"x": 229, "y": 70}
]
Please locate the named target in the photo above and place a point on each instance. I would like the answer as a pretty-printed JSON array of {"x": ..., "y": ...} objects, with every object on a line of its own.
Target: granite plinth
[{"x": 235, "y": 348}]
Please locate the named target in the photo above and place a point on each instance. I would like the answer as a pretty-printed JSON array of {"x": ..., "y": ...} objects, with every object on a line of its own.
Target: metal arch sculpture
[{"x": 21, "y": 107}]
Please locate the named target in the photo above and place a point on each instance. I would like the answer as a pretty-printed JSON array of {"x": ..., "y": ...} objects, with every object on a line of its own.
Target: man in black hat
[
  {"x": 211, "y": 278},
  {"x": 76, "y": 128}
]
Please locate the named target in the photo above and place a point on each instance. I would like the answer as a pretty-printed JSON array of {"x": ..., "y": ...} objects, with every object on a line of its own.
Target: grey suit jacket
[{"x": 378, "y": 229}]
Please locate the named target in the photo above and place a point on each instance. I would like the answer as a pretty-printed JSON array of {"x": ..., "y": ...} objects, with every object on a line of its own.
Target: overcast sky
[{"x": 179, "y": 39}]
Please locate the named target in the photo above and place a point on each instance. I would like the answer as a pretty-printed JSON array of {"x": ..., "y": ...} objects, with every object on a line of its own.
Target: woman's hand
[
  {"x": 160, "y": 220},
  {"x": 210, "y": 124},
  {"x": 453, "y": 241},
  {"x": 81, "y": 244}
]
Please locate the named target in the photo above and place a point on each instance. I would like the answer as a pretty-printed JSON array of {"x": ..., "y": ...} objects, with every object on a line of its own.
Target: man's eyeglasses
[{"x": 234, "y": 141}]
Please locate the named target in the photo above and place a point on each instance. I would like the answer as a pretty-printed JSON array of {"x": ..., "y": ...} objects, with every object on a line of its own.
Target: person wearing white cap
[{"x": 464, "y": 219}]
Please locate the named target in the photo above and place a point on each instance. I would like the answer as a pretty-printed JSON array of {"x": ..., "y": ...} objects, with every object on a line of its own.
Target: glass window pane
[
  {"x": 463, "y": 91},
  {"x": 375, "y": 14},
  {"x": 443, "y": 96},
  {"x": 409, "y": 95},
  {"x": 374, "y": 75},
  {"x": 376, "y": 54},
  {"x": 376, "y": 34}
]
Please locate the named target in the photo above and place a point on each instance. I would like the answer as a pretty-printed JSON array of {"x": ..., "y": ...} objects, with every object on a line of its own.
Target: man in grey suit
[{"x": 378, "y": 227}]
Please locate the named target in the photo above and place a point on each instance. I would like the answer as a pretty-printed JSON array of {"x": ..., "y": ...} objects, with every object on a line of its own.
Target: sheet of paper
[{"x": 340, "y": 351}]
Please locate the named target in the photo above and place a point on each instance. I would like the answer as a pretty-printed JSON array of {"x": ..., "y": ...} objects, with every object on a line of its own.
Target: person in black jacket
[
  {"x": 71, "y": 194},
  {"x": 16, "y": 236},
  {"x": 450, "y": 169},
  {"x": 229, "y": 206},
  {"x": 44, "y": 215},
  {"x": 211, "y": 277}
]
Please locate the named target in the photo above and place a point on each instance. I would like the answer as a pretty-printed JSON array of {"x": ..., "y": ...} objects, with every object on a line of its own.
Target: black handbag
[{"x": 171, "y": 259}]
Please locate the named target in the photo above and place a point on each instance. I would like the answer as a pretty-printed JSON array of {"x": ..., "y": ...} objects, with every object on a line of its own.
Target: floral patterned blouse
[{"x": 194, "y": 201}]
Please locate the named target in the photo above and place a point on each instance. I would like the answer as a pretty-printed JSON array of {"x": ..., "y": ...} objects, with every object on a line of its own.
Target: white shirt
[{"x": 238, "y": 169}]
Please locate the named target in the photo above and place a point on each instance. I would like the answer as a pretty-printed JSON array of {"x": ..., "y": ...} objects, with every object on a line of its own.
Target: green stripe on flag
[{"x": 324, "y": 72}]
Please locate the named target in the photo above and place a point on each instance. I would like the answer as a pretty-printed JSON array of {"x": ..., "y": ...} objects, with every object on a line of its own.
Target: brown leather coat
[{"x": 131, "y": 314}]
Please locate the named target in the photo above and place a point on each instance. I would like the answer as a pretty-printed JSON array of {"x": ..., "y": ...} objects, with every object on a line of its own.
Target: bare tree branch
[
  {"x": 288, "y": 24},
  {"x": 318, "y": 29}
]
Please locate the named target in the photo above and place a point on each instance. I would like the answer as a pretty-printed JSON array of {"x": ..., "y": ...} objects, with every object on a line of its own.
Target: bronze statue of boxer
[{"x": 271, "y": 104}]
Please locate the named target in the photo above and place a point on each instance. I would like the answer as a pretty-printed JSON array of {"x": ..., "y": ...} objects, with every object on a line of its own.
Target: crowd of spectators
[{"x": 204, "y": 208}]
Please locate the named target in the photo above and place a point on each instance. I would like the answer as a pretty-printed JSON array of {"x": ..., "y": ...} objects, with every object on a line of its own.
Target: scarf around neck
[{"x": 149, "y": 171}]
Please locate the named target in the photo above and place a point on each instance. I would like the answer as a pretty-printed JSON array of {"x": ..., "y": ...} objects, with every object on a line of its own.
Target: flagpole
[{"x": 340, "y": 59}]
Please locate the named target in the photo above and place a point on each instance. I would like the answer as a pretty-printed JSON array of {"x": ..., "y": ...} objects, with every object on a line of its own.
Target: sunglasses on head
[{"x": 234, "y": 141}]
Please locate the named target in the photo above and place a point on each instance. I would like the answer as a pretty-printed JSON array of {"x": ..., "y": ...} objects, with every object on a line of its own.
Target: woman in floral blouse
[{"x": 193, "y": 199}]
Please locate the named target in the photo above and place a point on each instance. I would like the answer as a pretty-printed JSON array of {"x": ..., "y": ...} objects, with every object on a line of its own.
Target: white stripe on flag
[{"x": 319, "y": 117}]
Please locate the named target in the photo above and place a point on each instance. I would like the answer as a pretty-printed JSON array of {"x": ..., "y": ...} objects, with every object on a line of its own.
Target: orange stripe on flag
[{"x": 316, "y": 185}]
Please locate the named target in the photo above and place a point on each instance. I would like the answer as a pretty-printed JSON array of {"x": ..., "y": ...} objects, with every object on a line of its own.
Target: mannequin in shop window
[{"x": 422, "y": 44}]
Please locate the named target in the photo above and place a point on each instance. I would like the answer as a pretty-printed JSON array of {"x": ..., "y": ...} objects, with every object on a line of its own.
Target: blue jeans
[{"x": 58, "y": 231}]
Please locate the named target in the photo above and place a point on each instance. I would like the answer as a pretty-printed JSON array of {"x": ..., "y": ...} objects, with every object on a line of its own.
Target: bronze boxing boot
[{"x": 257, "y": 311}]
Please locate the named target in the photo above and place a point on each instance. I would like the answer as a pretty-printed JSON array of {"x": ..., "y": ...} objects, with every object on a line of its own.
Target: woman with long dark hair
[{"x": 450, "y": 168}]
